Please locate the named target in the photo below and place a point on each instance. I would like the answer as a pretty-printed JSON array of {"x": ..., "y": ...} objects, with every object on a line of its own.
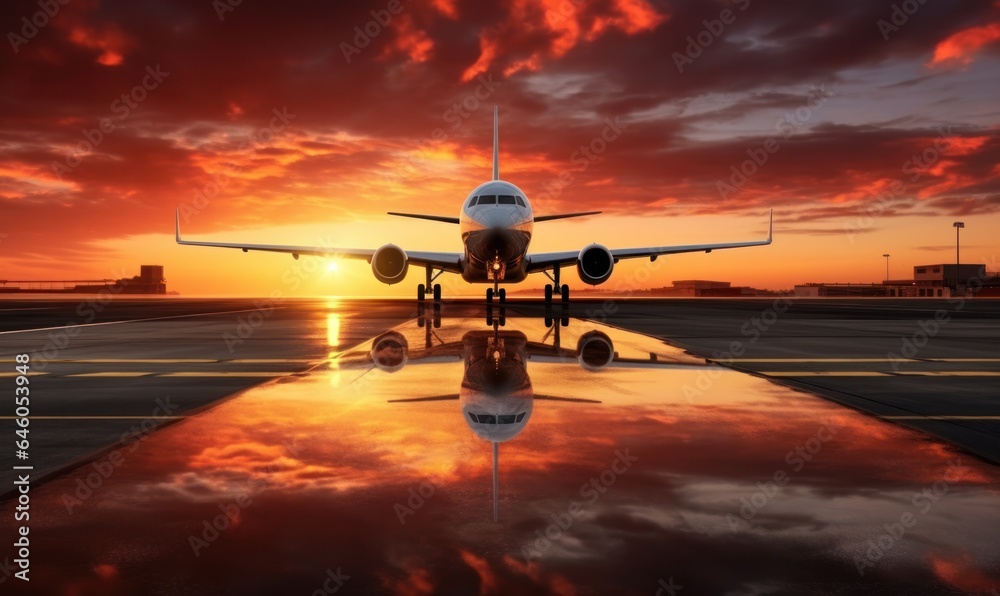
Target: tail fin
[{"x": 496, "y": 143}]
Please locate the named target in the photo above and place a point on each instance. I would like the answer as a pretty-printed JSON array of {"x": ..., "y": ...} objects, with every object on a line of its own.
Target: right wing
[
  {"x": 548, "y": 260},
  {"x": 445, "y": 261}
]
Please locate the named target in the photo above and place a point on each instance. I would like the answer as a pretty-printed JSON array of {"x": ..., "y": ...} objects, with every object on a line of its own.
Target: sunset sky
[{"x": 281, "y": 123}]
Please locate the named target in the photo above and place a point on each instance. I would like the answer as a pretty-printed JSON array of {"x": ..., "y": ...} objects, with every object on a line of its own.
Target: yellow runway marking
[
  {"x": 175, "y": 361},
  {"x": 223, "y": 374},
  {"x": 110, "y": 374},
  {"x": 824, "y": 373},
  {"x": 17, "y": 374},
  {"x": 940, "y": 417},
  {"x": 848, "y": 360},
  {"x": 97, "y": 417},
  {"x": 873, "y": 373}
]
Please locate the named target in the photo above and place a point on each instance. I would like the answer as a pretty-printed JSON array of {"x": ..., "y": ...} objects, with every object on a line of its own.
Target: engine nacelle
[
  {"x": 389, "y": 264},
  {"x": 595, "y": 264},
  {"x": 390, "y": 352},
  {"x": 595, "y": 350}
]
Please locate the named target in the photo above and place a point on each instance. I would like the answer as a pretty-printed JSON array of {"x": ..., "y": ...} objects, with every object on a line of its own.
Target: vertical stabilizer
[{"x": 496, "y": 143}]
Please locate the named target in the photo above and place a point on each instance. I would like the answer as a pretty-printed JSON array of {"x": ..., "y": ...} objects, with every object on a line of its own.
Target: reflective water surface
[{"x": 521, "y": 459}]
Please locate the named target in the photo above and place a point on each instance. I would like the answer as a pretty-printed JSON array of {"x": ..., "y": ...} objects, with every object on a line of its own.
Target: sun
[{"x": 331, "y": 267}]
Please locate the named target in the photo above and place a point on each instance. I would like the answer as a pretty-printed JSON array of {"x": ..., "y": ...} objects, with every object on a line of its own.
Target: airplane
[
  {"x": 496, "y": 396},
  {"x": 496, "y": 222}
]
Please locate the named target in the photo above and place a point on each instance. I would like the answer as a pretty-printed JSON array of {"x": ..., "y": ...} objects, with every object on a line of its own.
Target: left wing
[
  {"x": 445, "y": 261},
  {"x": 547, "y": 260}
]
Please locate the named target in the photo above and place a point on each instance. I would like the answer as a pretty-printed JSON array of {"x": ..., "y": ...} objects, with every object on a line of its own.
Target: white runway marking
[{"x": 200, "y": 314}]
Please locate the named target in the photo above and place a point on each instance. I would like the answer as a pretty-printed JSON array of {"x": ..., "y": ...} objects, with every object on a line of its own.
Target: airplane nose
[{"x": 495, "y": 218}]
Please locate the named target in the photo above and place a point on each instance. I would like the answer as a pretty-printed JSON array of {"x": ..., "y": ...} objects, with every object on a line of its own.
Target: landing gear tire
[
  {"x": 489, "y": 295},
  {"x": 503, "y": 318},
  {"x": 437, "y": 292},
  {"x": 502, "y": 296},
  {"x": 421, "y": 293},
  {"x": 548, "y": 293},
  {"x": 565, "y": 294}
]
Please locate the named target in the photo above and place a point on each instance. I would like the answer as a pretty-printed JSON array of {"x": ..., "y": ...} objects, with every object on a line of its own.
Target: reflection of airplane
[
  {"x": 496, "y": 223},
  {"x": 496, "y": 394}
]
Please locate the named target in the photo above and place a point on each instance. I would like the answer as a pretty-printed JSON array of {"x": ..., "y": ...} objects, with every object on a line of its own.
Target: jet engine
[
  {"x": 595, "y": 264},
  {"x": 390, "y": 351},
  {"x": 594, "y": 350},
  {"x": 389, "y": 264}
]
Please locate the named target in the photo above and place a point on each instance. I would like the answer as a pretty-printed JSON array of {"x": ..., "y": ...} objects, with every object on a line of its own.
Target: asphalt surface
[{"x": 151, "y": 417}]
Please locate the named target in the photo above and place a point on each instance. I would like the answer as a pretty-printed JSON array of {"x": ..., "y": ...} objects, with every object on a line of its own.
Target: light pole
[
  {"x": 886, "y": 255},
  {"x": 958, "y": 225}
]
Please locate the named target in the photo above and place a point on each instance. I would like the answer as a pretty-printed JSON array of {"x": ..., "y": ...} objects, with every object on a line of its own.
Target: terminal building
[
  {"x": 149, "y": 281},
  {"x": 929, "y": 281}
]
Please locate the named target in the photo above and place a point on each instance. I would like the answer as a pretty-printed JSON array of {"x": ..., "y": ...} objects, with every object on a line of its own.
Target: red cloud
[{"x": 960, "y": 47}]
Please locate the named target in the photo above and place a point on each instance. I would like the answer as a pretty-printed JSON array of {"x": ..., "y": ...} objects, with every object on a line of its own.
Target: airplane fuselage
[{"x": 496, "y": 223}]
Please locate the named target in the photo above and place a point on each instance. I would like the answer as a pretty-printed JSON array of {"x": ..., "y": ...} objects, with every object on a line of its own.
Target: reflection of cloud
[{"x": 331, "y": 502}]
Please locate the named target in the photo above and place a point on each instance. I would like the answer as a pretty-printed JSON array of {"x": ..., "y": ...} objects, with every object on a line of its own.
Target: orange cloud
[
  {"x": 960, "y": 47},
  {"x": 446, "y": 7},
  {"x": 562, "y": 23},
  {"x": 412, "y": 41},
  {"x": 487, "y": 52}
]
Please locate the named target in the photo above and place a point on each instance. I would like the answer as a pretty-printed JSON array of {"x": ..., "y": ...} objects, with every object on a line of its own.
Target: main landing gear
[
  {"x": 563, "y": 292},
  {"x": 435, "y": 288}
]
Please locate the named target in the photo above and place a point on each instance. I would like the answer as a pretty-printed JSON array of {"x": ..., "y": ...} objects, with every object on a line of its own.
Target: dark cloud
[{"x": 557, "y": 76}]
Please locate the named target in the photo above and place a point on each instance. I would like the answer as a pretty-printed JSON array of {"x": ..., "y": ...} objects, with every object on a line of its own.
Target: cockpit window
[
  {"x": 487, "y": 419},
  {"x": 506, "y": 199},
  {"x": 520, "y": 201},
  {"x": 507, "y": 419},
  {"x": 520, "y": 416},
  {"x": 473, "y": 201},
  {"x": 488, "y": 200}
]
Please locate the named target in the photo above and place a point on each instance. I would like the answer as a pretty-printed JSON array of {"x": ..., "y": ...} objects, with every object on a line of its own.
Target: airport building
[
  {"x": 149, "y": 281},
  {"x": 929, "y": 281}
]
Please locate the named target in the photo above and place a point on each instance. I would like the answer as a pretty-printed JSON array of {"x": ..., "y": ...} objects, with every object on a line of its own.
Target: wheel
[
  {"x": 437, "y": 292},
  {"x": 489, "y": 295},
  {"x": 502, "y": 294},
  {"x": 565, "y": 321},
  {"x": 503, "y": 319},
  {"x": 565, "y": 294},
  {"x": 548, "y": 293},
  {"x": 421, "y": 292},
  {"x": 548, "y": 321}
]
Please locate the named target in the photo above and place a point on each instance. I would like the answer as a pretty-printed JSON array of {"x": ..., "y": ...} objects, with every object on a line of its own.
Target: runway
[{"x": 228, "y": 447}]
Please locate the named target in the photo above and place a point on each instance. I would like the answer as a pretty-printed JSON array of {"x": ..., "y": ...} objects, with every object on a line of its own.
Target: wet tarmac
[{"x": 372, "y": 452}]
